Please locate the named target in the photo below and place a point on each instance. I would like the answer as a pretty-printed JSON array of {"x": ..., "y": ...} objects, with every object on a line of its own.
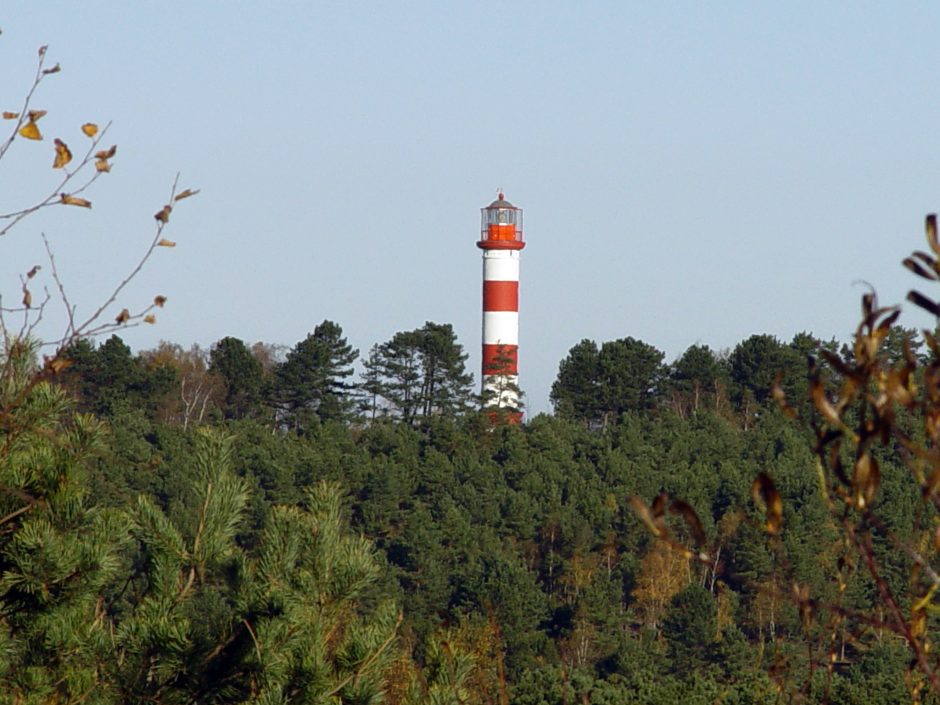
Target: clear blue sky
[{"x": 690, "y": 172}]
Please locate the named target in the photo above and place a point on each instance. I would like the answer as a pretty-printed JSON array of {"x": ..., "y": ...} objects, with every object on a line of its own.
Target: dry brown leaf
[
  {"x": 74, "y": 201},
  {"x": 123, "y": 316},
  {"x": 659, "y": 505},
  {"x": 920, "y": 271},
  {"x": 30, "y": 131},
  {"x": 897, "y": 385},
  {"x": 35, "y": 115},
  {"x": 781, "y": 398},
  {"x": 90, "y": 129},
  {"x": 645, "y": 515},
  {"x": 32, "y": 272},
  {"x": 159, "y": 300},
  {"x": 150, "y": 318},
  {"x": 836, "y": 362},
  {"x": 166, "y": 243},
  {"x": 930, "y": 225},
  {"x": 918, "y": 624},
  {"x": 54, "y": 69},
  {"x": 7, "y": 115},
  {"x": 765, "y": 492},
  {"x": 866, "y": 480},
  {"x": 823, "y": 405},
  {"x": 56, "y": 364},
  {"x": 106, "y": 153},
  {"x": 27, "y": 298},
  {"x": 102, "y": 165},
  {"x": 163, "y": 215},
  {"x": 63, "y": 154},
  {"x": 915, "y": 297},
  {"x": 185, "y": 194}
]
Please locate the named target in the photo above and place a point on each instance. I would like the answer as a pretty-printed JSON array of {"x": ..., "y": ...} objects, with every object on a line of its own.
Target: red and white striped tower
[{"x": 501, "y": 241}]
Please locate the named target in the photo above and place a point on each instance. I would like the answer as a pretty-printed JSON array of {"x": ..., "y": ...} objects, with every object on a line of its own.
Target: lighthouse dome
[{"x": 501, "y": 202}]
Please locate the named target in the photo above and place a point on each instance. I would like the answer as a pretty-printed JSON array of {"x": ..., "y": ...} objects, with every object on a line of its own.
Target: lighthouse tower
[{"x": 501, "y": 242}]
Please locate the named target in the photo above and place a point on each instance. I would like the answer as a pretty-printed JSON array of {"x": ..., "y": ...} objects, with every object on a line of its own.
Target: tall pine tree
[{"x": 310, "y": 383}]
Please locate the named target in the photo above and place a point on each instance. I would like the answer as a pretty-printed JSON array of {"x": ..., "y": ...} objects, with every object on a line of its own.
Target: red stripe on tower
[
  {"x": 501, "y": 241},
  {"x": 501, "y": 359},
  {"x": 500, "y": 296}
]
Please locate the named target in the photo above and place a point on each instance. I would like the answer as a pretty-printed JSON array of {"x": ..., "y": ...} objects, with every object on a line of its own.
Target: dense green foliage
[
  {"x": 124, "y": 604},
  {"x": 181, "y": 558}
]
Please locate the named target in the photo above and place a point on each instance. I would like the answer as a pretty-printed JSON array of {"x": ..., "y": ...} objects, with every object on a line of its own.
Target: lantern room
[{"x": 502, "y": 226}]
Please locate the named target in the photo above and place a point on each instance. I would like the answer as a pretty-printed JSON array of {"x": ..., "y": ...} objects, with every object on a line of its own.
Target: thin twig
[
  {"x": 37, "y": 79},
  {"x": 69, "y": 309},
  {"x": 86, "y": 328},
  {"x": 55, "y": 196}
]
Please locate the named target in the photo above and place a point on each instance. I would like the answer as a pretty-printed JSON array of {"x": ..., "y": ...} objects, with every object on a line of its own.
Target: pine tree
[
  {"x": 286, "y": 623},
  {"x": 502, "y": 392},
  {"x": 241, "y": 375},
  {"x": 597, "y": 386},
  {"x": 57, "y": 553},
  {"x": 108, "y": 606},
  {"x": 310, "y": 382},
  {"x": 420, "y": 374}
]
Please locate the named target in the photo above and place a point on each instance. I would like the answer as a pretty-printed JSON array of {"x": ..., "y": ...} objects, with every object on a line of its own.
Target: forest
[
  {"x": 248, "y": 525},
  {"x": 319, "y": 524}
]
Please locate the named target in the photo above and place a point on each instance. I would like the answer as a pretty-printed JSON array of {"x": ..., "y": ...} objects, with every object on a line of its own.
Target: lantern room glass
[{"x": 501, "y": 224}]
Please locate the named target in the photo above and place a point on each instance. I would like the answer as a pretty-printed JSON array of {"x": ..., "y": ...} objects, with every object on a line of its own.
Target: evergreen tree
[
  {"x": 241, "y": 375},
  {"x": 576, "y": 392},
  {"x": 690, "y": 627},
  {"x": 209, "y": 622},
  {"x": 421, "y": 374},
  {"x": 109, "y": 379},
  {"x": 699, "y": 379},
  {"x": 57, "y": 553},
  {"x": 756, "y": 362},
  {"x": 631, "y": 376},
  {"x": 310, "y": 382},
  {"x": 503, "y": 392},
  {"x": 597, "y": 386}
]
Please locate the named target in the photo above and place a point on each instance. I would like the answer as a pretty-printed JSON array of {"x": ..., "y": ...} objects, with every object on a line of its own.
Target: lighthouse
[{"x": 501, "y": 242}]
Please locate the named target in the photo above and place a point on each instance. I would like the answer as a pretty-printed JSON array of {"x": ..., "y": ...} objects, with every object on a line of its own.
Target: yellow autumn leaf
[
  {"x": 102, "y": 165},
  {"x": 7, "y": 115},
  {"x": 186, "y": 194},
  {"x": 166, "y": 243},
  {"x": 62, "y": 154},
  {"x": 30, "y": 131},
  {"x": 74, "y": 201},
  {"x": 150, "y": 318},
  {"x": 90, "y": 129}
]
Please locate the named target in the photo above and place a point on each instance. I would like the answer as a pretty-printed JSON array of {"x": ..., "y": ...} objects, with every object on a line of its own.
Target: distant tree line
[{"x": 421, "y": 374}]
